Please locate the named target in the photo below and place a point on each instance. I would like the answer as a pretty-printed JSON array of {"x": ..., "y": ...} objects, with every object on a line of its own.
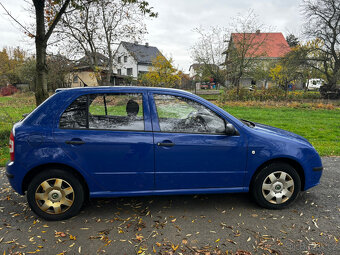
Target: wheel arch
[
  {"x": 295, "y": 164},
  {"x": 38, "y": 169}
]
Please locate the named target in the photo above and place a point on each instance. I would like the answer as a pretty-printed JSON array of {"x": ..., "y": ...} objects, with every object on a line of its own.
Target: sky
[{"x": 172, "y": 32}]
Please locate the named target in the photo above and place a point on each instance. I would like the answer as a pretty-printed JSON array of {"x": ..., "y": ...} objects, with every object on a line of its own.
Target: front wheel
[
  {"x": 55, "y": 194},
  {"x": 276, "y": 186}
]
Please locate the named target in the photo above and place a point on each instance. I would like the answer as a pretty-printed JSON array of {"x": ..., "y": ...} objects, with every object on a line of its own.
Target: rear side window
[
  {"x": 105, "y": 112},
  {"x": 75, "y": 115},
  {"x": 116, "y": 112}
]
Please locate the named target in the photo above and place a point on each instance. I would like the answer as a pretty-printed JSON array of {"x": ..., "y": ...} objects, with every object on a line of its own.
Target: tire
[
  {"x": 276, "y": 186},
  {"x": 55, "y": 194}
]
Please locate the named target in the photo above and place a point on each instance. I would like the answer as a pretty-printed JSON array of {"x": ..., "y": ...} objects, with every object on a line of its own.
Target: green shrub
[{"x": 270, "y": 94}]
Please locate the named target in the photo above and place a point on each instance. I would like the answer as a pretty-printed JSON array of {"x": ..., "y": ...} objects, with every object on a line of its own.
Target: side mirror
[{"x": 230, "y": 129}]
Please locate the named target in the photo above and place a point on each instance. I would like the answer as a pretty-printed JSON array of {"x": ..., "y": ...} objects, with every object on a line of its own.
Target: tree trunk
[
  {"x": 109, "y": 71},
  {"x": 332, "y": 80},
  {"x": 41, "y": 92}
]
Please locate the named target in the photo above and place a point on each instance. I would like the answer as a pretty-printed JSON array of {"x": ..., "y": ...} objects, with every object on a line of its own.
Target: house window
[
  {"x": 125, "y": 59},
  {"x": 75, "y": 78},
  {"x": 119, "y": 59},
  {"x": 119, "y": 71},
  {"x": 129, "y": 71}
]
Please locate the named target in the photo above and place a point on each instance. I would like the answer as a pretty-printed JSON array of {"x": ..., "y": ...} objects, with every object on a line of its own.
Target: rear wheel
[
  {"x": 55, "y": 194},
  {"x": 276, "y": 186}
]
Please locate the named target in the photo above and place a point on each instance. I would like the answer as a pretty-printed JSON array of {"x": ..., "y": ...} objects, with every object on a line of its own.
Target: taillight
[{"x": 11, "y": 146}]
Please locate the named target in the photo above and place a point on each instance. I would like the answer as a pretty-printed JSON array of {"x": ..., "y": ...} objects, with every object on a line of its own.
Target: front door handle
[
  {"x": 75, "y": 142},
  {"x": 168, "y": 144}
]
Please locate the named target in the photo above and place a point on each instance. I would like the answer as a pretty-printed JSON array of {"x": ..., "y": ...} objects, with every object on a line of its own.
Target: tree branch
[
  {"x": 15, "y": 20},
  {"x": 56, "y": 20}
]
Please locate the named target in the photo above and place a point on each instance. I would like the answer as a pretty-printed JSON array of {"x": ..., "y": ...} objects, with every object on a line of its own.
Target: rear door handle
[
  {"x": 76, "y": 142},
  {"x": 166, "y": 144}
]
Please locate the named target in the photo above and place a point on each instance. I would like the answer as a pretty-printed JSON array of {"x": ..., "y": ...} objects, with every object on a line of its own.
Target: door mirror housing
[{"x": 230, "y": 129}]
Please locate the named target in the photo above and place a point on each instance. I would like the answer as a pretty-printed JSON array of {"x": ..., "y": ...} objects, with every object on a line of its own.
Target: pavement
[{"x": 201, "y": 224}]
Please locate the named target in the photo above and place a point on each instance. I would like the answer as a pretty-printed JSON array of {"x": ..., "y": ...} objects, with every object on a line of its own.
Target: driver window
[{"x": 179, "y": 114}]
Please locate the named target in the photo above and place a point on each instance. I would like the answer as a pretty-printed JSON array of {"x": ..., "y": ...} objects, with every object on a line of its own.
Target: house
[
  {"x": 196, "y": 70},
  {"x": 83, "y": 74},
  {"x": 132, "y": 59},
  {"x": 263, "y": 49}
]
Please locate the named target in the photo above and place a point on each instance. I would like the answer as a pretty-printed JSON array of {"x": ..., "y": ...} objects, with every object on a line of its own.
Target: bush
[{"x": 272, "y": 94}]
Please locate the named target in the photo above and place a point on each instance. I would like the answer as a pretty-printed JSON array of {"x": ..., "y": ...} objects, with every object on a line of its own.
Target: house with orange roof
[{"x": 260, "y": 49}]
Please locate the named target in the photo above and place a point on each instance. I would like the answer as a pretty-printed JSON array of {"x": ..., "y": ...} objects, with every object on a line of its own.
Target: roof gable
[
  {"x": 272, "y": 45},
  {"x": 87, "y": 60},
  {"x": 144, "y": 54}
]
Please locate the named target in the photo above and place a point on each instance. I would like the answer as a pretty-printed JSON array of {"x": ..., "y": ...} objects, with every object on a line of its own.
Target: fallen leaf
[
  {"x": 174, "y": 247},
  {"x": 231, "y": 241}
]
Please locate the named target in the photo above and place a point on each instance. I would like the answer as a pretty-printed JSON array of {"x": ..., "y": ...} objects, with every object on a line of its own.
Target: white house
[{"x": 133, "y": 58}]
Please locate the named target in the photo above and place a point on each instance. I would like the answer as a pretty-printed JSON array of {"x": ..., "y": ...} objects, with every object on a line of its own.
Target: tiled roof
[
  {"x": 86, "y": 60},
  {"x": 144, "y": 54},
  {"x": 272, "y": 45}
]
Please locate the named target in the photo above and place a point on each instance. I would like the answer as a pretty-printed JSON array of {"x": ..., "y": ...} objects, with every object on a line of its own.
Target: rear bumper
[{"x": 14, "y": 179}]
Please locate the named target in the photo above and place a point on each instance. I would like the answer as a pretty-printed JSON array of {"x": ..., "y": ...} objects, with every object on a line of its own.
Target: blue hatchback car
[{"x": 132, "y": 141}]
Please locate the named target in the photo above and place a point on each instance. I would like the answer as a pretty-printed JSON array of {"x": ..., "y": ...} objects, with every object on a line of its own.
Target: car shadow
[{"x": 190, "y": 204}]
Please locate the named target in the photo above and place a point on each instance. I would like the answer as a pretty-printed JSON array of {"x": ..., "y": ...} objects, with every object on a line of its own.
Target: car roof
[{"x": 119, "y": 88}]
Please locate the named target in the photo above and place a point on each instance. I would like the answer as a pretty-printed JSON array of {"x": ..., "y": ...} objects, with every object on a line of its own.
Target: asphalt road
[{"x": 203, "y": 224}]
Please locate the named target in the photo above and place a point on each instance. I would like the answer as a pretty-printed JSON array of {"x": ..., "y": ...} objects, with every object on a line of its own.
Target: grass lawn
[{"x": 320, "y": 126}]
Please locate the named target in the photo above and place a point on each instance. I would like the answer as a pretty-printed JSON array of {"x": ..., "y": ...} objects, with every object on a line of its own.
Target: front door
[
  {"x": 105, "y": 136},
  {"x": 192, "y": 149}
]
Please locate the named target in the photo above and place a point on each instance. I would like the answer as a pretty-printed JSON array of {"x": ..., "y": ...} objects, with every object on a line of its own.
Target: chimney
[
  {"x": 258, "y": 31},
  {"x": 146, "y": 44}
]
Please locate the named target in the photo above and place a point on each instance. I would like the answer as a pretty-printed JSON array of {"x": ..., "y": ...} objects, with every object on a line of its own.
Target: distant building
[
  {"x": 195, "y": 70},
  {"x": 132, "y": 59},
  {"x": 265, "y": 48},
  {"x": 83, "y": 74}
]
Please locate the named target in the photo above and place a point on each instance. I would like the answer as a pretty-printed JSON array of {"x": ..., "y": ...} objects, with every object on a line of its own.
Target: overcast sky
[{"x": 172, "y": 32}]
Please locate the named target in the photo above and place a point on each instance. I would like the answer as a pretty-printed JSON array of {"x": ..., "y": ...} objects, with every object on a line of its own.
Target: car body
[{"x": 132, "y": 141}]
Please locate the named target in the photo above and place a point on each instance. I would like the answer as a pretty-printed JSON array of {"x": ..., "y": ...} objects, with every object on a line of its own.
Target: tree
[
  {"x": 11, "y": 59},
  {"x": 244, "y": 48},
  {"x": 44, "y": 29},
  {"x": 99, "y": 24},
  {"x": 27, "y": 72},
  {"x": 292, "y": 40},
  {"x": 208, "y": 53},
  {"x": 59, "y": 69},
  {"x": 161, "y": 73},
  {"x": 323, "y": 27}
]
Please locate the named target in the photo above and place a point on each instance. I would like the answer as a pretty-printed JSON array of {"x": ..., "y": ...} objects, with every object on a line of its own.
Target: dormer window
[
  {"x": 125, "y": 59},
  {"x": 119, "y": 60}
]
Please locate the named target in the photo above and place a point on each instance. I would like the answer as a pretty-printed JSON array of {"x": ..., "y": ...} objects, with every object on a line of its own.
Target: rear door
[
  {"x": 192, "y": 149},
  {"x": 109, "y": 137}
]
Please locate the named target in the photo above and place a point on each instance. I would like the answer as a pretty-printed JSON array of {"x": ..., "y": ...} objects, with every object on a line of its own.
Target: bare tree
[
  {"x": 244, "y": 48},
  {"x": 207, "y": 52},
  {"x": 95, "y": 28},
  {"x": 323, "y": 27}
]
